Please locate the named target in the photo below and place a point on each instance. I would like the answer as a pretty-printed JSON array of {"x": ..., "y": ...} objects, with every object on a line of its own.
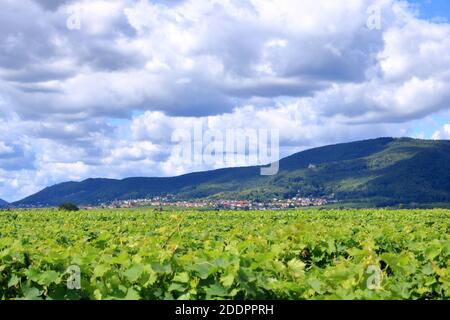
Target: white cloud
[
  {"x": 416, "y": 49},
  {"x": 443, "y": 133},
  {"x": 5, "y": 149}
]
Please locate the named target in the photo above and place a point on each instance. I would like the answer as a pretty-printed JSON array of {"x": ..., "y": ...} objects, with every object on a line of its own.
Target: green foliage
[
  {"x": 68, "y": 207},
  {"x": 307, "y": 254}
]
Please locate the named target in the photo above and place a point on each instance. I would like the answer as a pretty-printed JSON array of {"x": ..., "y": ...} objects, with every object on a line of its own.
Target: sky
[
  {"x": 436, "y": 10},
  {"x": 99, "y": 88}
]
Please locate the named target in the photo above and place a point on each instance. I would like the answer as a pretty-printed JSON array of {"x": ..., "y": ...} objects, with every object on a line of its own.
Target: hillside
[
  {"x": 3, "y": 203},
  {"x": 378, "y": 172}
]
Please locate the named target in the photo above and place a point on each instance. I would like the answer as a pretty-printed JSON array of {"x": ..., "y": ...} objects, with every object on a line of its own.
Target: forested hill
[
  {"x": 378, "y": 172},
  {"x": 3, "y": 203}
]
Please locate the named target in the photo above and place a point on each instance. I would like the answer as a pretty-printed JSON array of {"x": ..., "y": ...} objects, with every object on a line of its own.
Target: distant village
[{"x": 220, "y": 204}]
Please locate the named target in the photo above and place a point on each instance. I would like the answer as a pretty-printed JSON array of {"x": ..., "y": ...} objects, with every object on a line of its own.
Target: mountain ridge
[
  {"x": 382, "y": 171},
  {"x": 3, "y": 203}
]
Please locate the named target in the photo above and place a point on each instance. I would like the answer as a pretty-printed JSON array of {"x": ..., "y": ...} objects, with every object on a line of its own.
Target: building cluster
[{"x": 171, "y": 201}]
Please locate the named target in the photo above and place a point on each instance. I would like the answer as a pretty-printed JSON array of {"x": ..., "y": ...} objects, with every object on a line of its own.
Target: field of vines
[{"x": 304, "y": 254}]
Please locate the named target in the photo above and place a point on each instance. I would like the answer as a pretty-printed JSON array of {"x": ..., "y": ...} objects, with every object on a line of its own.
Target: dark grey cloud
[
  {"x": 37, "y": 74},
  {"x": 52, "y": 4},
  {"x": 25, "y": 36},
  {"x": 16, "y": 157},
  {"x": 272, "y": 88},
  {"x": 49, "y": 51},
  {"x": 100, "y": 55},
  {"x": 35, "y": 88}
]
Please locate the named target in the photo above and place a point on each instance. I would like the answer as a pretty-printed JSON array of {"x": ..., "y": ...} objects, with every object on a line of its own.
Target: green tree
[{"x": 68, "y": 207}]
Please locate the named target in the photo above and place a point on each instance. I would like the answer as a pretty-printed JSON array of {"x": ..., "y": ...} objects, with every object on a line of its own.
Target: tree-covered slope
[
  {"x": 3, "y": 203},
  {"x": 382, "y": 171}
]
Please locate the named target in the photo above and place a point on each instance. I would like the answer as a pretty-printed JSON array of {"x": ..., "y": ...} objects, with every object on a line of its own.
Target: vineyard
[{"x": 305, "y": 254}]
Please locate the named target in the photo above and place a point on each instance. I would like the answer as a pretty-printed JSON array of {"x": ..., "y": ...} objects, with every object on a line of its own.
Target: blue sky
[
  {"x": 106, "y": 99},
  {"x": 432, "y": 9}
]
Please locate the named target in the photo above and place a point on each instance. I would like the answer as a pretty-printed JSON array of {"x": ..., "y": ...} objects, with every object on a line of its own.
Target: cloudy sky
[{"x": 97, "y": 88}]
